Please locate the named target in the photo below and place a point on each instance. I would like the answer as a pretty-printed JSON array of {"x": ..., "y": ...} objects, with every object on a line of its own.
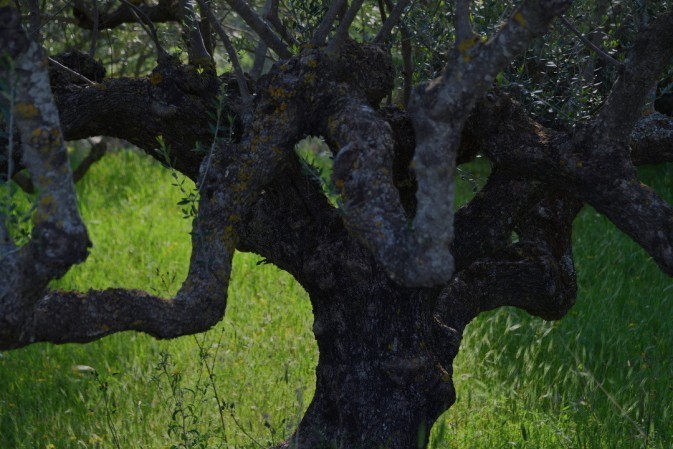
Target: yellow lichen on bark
[
  {"x": 46, "y": 210},
  {"x": 45, "y": 139},
  {"x": 156, "y": 78},
  {"x": 26, "y": 110}
]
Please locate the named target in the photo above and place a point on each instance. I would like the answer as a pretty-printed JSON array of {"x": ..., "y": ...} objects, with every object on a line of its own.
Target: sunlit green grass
[
  {"x": 600, "y": 378},
  {"x": 265, "y": 354}
]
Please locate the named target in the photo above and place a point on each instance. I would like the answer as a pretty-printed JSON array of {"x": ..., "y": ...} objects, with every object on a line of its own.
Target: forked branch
[
  {"x": 438, "y": 113},
  {"x": 392, "y": 20},
  {"x": 325, "y": 26},
  {"x": 260, "y": 27},
  {"x": 418, "y": 253},
  {"x": 372, "y": 208},
  {"x": 196, "y": 49},
  {"x": 345, "y": 25}
]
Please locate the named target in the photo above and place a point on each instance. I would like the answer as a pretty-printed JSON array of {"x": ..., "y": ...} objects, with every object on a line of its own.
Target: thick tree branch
[
  {"x": 501, "y": 129},
  {"x": 521, "y": 277},
  {"x": 79, "y": 317},
  {"x": 652, "y": 140},
  {"x": 372, "y": 208},
  {"x": 535, "y": 274},
  {"x": 605, "y": 175},
  {"x": 59, "y": 238},
  {"x": 44, "y": 152},
  {"x": 438, "y": 112},
  {"x": 462, "y": 21},
  {"x": 139, "y": 110},
  {"x": 598, "y": 170},
  {"x": 634, "y": 208},
  {"x": 230, "y": 185},
  {"x": 163, "y": 11}
]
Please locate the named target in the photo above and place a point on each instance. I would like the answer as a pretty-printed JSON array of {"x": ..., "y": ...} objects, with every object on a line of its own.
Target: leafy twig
[{"x": 599, "y": 51}]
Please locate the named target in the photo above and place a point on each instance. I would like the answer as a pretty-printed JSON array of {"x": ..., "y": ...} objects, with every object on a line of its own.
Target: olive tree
[{"x": 394, "y": 272}]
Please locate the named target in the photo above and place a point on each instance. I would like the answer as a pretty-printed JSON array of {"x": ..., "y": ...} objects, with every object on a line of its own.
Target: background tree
[{"x": 394, "y": 275}]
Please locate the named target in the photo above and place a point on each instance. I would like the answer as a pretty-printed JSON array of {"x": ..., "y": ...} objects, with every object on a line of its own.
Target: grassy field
[{"x": 600, "y": 378}]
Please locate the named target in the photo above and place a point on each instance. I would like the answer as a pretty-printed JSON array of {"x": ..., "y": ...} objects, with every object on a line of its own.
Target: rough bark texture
[
  {"x": 162, "y": 11},
  {"x": 394, "y": 276},
  {"x": 59, "y": 238}
]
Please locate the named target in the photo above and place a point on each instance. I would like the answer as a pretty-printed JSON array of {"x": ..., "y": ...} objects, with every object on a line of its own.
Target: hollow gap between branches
[{"x": 317, "y": 161}]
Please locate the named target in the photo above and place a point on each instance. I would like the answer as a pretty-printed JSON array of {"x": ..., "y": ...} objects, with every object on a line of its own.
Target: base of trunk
[
  {"x": 367, "y": 408},
  {"x": 384, "y": 371}
]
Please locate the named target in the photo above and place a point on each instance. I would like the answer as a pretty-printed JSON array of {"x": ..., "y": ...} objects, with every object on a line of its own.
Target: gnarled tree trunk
[
  {"x": 395, "y": 274},
  {"x": 384, "y": 371}
]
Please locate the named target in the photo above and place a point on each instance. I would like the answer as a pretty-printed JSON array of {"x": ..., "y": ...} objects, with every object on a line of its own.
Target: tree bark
[
  {"x": 384, "y": 369},
  {"x": 380, "y": 381}
]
